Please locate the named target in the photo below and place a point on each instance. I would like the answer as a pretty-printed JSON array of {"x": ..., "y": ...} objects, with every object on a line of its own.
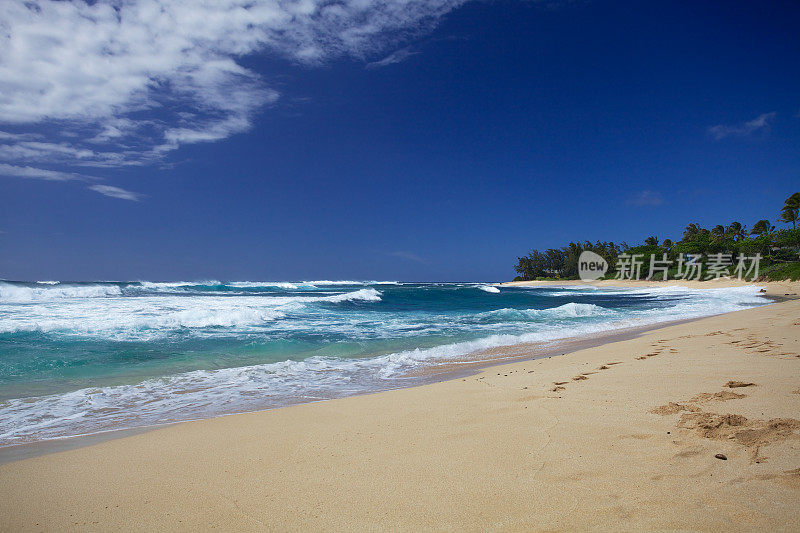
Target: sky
[{"x": 390, "y": 140}]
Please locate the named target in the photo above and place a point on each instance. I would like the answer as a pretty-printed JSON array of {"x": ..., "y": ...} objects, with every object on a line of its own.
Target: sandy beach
[{"x": 621, "y": 436}]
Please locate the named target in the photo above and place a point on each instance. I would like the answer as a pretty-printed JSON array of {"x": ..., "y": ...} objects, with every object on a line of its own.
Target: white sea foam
[
  {"x": 326, "y": 282},
  {"x": 204, "y": 393},
  {"x": 489, "y": 288},
  {"x": 286, "y": 285},
  {"x": 264, "y": 284},
  {"x": 568, "y": 310},
  {"x": 149, "y": 317},
  {"x": 10, "y": 293},
  {"x": 366, "y": 295}
]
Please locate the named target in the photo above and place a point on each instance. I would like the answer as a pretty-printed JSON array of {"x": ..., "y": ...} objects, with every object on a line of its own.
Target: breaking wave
[
  {"x": 489, "y": 288},
  {"x": 569, "y": 310},
  {"x": 21, "y": 294},
  {"x": 154, "y": 352}
]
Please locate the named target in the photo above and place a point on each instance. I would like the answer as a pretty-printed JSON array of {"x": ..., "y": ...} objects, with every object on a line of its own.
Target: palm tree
[
  {"x": 790, "y": 210},
  {"x": 762, "y": 227},
  {"x": 718, "y": 232},
  {"x": 651, "y": 241},
  {"x": 790, "y": 215},
  {"x": 691, "y": 231},
  {"x": 667, "y": 244},
  {"x": 737, "y": 231}
]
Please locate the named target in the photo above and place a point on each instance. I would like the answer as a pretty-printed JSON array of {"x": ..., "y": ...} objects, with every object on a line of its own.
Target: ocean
[{"x": 82, "y": 358}]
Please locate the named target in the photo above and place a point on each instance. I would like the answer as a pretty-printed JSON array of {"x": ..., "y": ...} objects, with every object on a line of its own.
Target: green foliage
[
  {"x": 789, "y": 216},
  {"x": 787, "y": 237},
  {"x": 785, "y": 255},
  {"x": 690, "y": 231},
  {"x": 761, "y": 227},
  {"x": 793, "y": 202},
  {"x": 776, "y": 248},
  {"x": 736, "y": 231},
  {"x": 563, "y": 262},
  {"x": 783, "y": 271},
  {"x": 697, "y": 243},
  {"x": 790, "y": 212},
  {"x": 757, "y": 245},
  {"x": 646, "y": 250}
]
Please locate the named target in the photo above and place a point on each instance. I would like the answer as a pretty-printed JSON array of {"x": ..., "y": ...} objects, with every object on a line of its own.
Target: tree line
[{"x": 778, "y": 248}]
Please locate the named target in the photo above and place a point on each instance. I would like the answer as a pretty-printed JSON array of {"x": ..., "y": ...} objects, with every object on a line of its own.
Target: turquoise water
[{"x": 78, "y": 358}]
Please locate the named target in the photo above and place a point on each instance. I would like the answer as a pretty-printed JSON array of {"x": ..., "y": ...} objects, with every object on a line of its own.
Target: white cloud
[
  {"x": 5, "y": 136},
  {"x": 744, "y": 129},
  {"x": 40, "y": 173},
  {"x": 116, "y": 192},
  {"x": 56, "y": 175},
  {"x": 394, "y": 57},
  {"x": 646, "y": 198},
  {"x": 142, "y": 77}
]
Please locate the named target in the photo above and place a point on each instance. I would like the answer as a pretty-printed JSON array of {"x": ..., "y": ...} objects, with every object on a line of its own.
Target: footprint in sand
[
  {"x": 752, "y": 434},
  {"x": 737, "y": 384},
  {"x": 722, "y": 396}
]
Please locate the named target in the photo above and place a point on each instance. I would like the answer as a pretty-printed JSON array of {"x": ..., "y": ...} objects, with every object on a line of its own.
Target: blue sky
[{"x": 433, "y": 140}]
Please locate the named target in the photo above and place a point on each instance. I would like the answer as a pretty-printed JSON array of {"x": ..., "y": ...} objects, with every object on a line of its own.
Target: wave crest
[
  {"x": 568, "y": 310},
  {"x": 489, "y": 288},
  {"x": 366, "y": 295},
  {"x": 21, "y": 294}
]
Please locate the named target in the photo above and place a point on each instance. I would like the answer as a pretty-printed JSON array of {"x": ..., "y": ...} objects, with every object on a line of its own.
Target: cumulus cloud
[
  {"x": 116, "y": 192},
  {"x": 124, "y": 82},
  {"x": 760, "y": 123}
]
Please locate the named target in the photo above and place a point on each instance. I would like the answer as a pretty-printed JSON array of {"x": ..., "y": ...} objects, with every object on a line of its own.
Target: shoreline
[
  {"x": 630, "y": 426},
  {"x": 772, "y": 288},
  {"x": 457, "y": 369},
  {"x": 464, "y": 366}
]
